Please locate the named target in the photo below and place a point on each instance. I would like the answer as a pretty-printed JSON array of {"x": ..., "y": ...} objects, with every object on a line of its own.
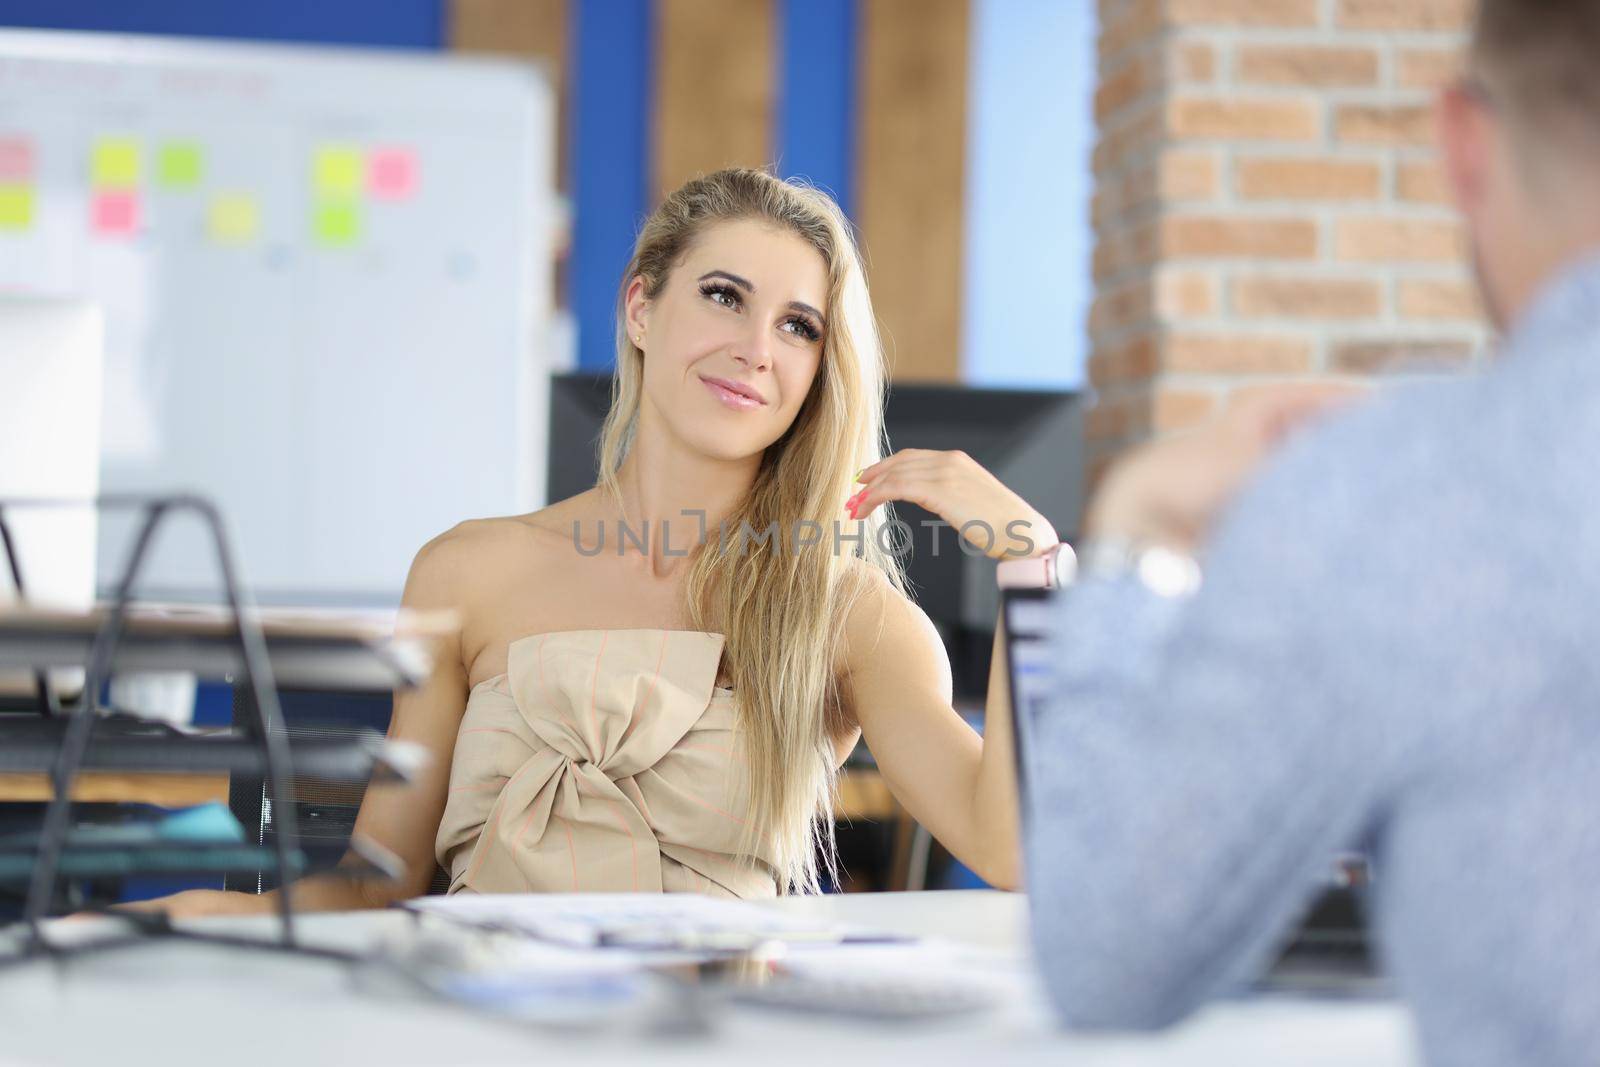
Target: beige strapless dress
[{"x": 602, "y": 761}]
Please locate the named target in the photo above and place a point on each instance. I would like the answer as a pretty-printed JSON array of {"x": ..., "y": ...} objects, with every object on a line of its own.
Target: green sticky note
[
  {"x": 233, "y": 218},
  {"x": 179, "y": 164},
  {"x": 16, "y": 207},
  {"x": 336, "y": 171},
  {"x": 337, "y": 222},
  {"x": 115, "y": 162}
]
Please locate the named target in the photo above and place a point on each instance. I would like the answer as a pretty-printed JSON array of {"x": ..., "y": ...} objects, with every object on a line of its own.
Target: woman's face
[{"x": 734, "y": 338}]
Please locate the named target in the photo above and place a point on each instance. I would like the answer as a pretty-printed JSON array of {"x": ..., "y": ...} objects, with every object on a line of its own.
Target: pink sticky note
[
  {"x": 16, "y": 160},
  {"x": 391, "y": 173},
  {"x": 116, "y": 212}
]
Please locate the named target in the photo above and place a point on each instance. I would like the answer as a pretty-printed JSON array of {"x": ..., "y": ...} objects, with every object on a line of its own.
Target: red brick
[
  {"x": 1187, "y": 176},
  {"x": 1307, "y": 65},
  {"x": 1294, "y": 178},
  {"x": 1137, "y": 22},
  {"x": 1119, "y": 308},
  {"x": 1237, "y": 119},
  {"x": 1115, "y": 417},
  {"x": 1439, "y": 299},
  {"x": 1421, "y": 183},
  {"x": 1428, "y": 68},
  {"x": 1221, "y": 236},
  {"x": 1405, "y": 124},
  {"x": 1132, "y": 362},
  {"x": 1306, "y": 298},
  {"x": 1383, "y": 239},
  {"x": 1194, "y": 61},
  {"x": 1185, "y": 294},
  {"x": 1243, "y": 12},
  {"x": 1369, "y": 357},
  {"x": 1177, "y": 408},
  {"x": 1121, "y": 88},
  {"x": 1236, "y": 354},
  {"x": 1405, "y": 14}
]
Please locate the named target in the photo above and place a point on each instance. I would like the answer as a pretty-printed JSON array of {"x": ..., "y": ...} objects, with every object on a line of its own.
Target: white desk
[{"x": 174, "y": 1003}]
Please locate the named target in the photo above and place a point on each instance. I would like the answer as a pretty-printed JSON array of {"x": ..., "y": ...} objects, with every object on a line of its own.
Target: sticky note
[
  {"x": 115, "y": 163},
  {"x": 336, "y": 171},
  {"x": 115, "y": 213},
  {"x": 233, "y": 218},
  {"x": 392, "y": 173},
  {"x": 178, "y": 165},
  {"x": 337, "y": 222},
  {"x": 16, "y": 207},
  {"x": 16, "y": 160}
]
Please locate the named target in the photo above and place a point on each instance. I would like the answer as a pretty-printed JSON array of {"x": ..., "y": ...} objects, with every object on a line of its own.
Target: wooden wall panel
[
  {"x": 911, "y": 157},
  {"x": 526, "y": 29},
  {"x": 716, "y": 80}
]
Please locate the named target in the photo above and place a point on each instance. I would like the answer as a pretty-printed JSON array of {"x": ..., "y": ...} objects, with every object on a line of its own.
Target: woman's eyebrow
[
  {"x": 749, "y": 287},
  {"x": 795, "y": 305},
  {"x": 742, "y": 283}
]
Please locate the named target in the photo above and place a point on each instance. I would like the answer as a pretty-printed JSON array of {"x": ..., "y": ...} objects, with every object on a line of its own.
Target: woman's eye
[
  {"x": 721, "y": 294},
  {"x": 804, "y": 330}
]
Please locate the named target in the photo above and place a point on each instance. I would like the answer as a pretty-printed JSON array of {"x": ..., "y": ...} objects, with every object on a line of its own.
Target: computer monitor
[
  {"x": 51, "y": 354},
  {"x": 1030, "y": 440}
]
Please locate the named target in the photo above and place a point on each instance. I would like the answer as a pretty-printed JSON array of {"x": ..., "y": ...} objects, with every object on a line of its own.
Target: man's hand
[{"x": 1170, "y": 492}]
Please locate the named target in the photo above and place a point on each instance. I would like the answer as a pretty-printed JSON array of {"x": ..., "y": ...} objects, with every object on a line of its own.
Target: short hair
[{"x": 1542, "y": 57}]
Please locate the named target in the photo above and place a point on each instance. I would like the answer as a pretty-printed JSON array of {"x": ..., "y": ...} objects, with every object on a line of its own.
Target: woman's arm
[
  {"x": 963, "y": 788},
  {"x": 403, "y": 819}
]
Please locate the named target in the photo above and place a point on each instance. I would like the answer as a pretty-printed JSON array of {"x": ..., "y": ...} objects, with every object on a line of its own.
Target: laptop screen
[{"x": 1028, "y": 668}]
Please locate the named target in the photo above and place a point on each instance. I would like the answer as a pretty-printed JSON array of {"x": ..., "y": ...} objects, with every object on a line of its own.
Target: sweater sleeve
[{"x": 1203, "y": 761}]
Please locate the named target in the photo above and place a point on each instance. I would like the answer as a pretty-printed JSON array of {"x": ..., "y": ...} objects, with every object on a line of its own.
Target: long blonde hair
[{"x": 782, "y": 610}]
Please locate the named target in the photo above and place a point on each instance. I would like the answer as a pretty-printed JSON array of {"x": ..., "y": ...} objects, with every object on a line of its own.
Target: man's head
[{"x": 1521, "y": 139}]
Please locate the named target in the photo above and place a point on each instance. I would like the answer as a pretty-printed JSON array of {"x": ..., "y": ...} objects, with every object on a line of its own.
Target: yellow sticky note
[
  {"x": 233, "y": 218},
  {"x": 115, "y": 162},
  {"x": 336, "y": 171},
  {"x": 178, "y": 164},
  {"x": 337, "y": 222},
  {"x": 16, "y": 207}
]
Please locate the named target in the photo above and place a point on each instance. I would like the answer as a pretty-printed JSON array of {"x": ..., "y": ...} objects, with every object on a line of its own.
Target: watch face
[{"x": 1066, "y": 564}]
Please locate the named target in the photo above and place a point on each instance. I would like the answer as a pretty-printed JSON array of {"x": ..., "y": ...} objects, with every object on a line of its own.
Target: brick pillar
[{"x": 1267, "y": 203}]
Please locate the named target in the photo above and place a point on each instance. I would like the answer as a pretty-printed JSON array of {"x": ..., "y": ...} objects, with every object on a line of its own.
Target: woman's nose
[{"x": 754, "y": 350}]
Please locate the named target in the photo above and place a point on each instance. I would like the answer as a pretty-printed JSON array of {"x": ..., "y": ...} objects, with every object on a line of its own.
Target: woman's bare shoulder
[
  {"x": 881, "y": 620},
  {"x": 485, "y": 551}
]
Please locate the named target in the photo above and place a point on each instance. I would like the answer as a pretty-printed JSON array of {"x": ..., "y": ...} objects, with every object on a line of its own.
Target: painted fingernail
[{"x": 860, "y": 472}]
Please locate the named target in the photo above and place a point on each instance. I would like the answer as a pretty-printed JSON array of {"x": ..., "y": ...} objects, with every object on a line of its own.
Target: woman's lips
[{"x": 733, "y": 399}]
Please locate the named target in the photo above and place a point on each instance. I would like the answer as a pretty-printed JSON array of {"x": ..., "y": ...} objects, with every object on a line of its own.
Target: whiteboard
[{"x": 325, "y": 276}]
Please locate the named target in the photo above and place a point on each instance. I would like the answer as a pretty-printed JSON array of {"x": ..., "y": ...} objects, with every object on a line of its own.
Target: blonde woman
[{"x": 657, "y": 679}]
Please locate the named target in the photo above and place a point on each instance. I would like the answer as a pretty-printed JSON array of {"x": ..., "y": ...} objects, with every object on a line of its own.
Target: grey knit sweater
[{"x": 1397, "y": 644}]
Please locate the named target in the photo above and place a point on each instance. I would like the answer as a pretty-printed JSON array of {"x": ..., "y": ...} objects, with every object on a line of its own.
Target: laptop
[{"x": 1329, "y": 951}]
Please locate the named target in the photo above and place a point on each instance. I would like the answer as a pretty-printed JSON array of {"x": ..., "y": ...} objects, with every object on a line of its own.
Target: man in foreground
[{"x": 1396, "y": 642}]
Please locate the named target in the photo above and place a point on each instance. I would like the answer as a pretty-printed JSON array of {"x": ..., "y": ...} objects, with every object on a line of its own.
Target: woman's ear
[{"x": 636, "y": 310}]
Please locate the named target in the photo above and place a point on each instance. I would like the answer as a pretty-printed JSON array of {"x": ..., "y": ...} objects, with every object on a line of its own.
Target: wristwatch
[
  {"x": 1054, "y": 567},
  {"x": 1163, "y": 570}
]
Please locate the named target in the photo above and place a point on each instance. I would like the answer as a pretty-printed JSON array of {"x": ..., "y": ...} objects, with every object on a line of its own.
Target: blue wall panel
[
  {"x": 393, "y": 23},
  {"x": 816, "y": 120}
]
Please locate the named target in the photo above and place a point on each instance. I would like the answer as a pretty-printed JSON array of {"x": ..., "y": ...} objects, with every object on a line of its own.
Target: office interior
[{"x": 349, "y": 271}]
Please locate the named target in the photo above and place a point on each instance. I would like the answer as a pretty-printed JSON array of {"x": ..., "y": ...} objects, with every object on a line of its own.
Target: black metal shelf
[
  {"x": 132, "y": 746},
  {"x": 310, "y": 662},
  {"x": 123, "y": 637},
  {"x": 164, "y": 858}
]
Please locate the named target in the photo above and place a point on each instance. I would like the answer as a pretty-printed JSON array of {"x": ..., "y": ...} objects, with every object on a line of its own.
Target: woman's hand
[
  {"x": 197, "y": 903},
  {"x": 956, "y": 488}
]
